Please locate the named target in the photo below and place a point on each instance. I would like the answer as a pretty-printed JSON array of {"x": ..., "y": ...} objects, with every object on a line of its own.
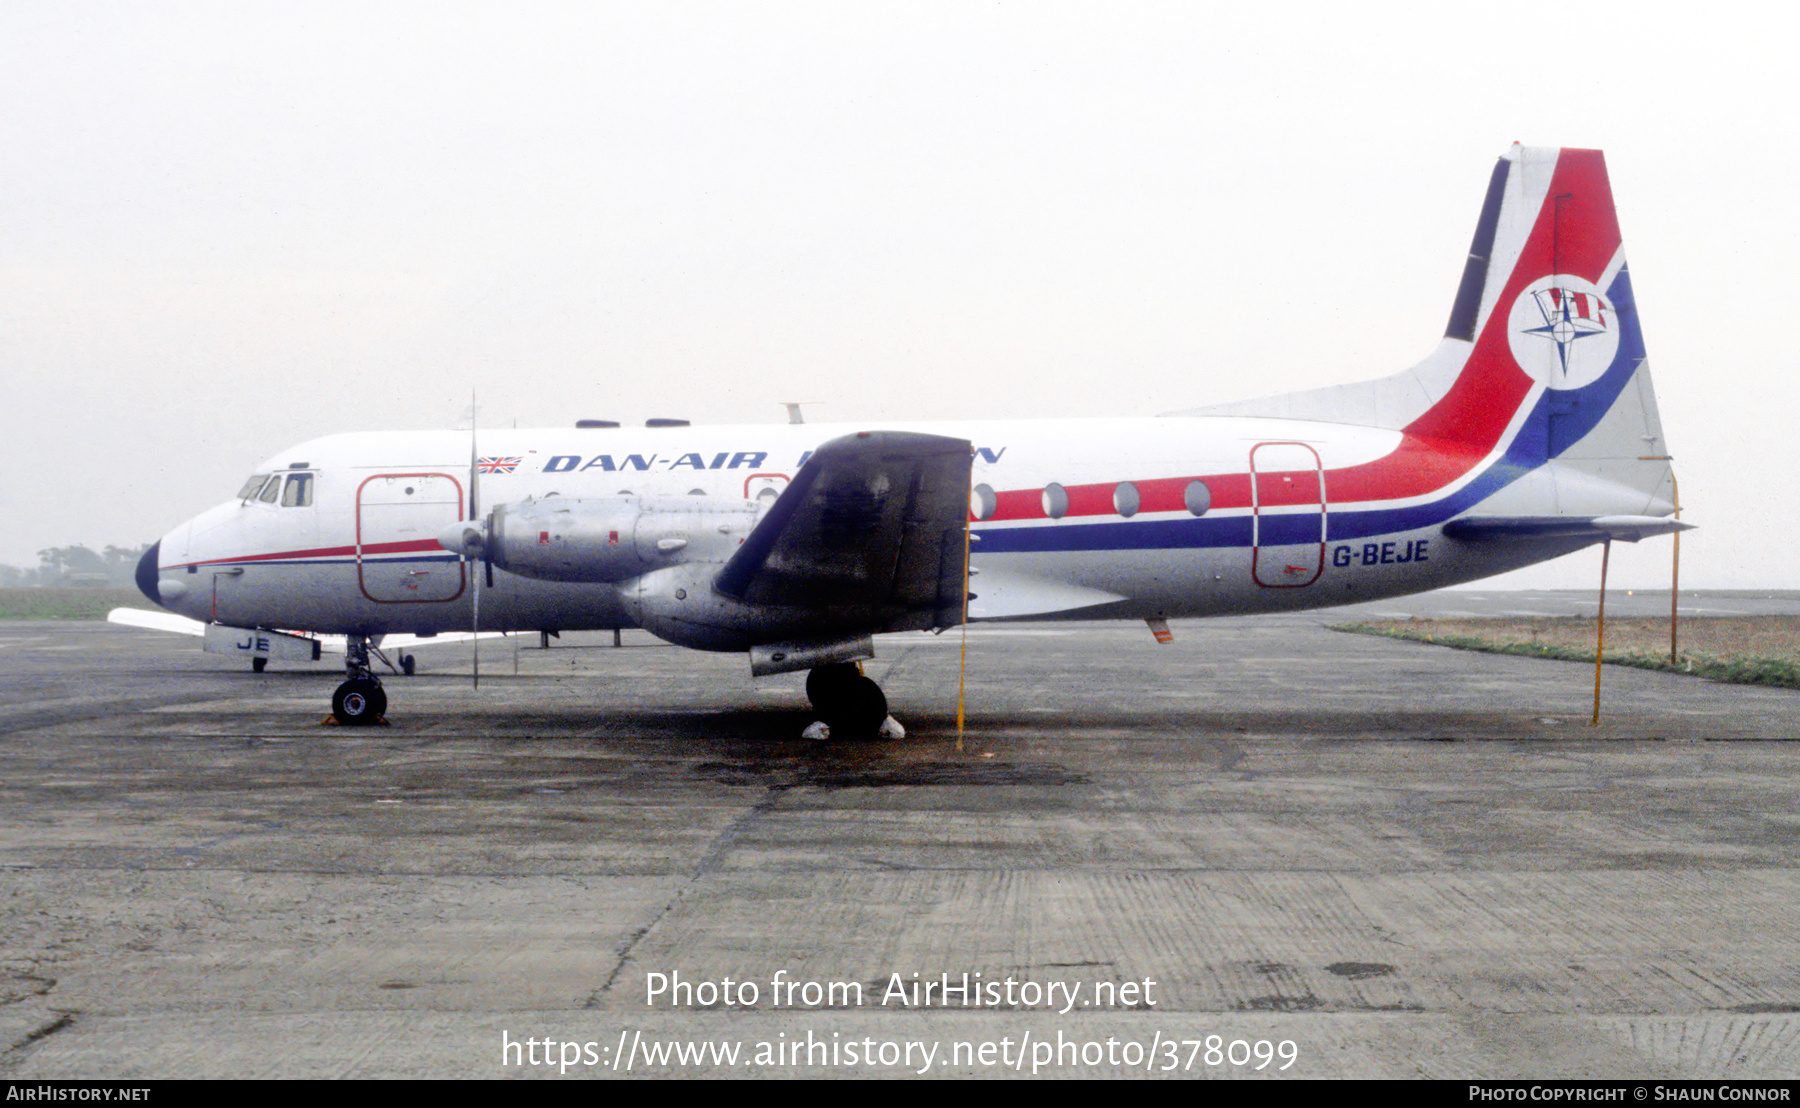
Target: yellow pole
[
  {"x": 962, "y": 666},
  {"x": 1600, "y": 630},
  {"x": 1674, "y": 574}
]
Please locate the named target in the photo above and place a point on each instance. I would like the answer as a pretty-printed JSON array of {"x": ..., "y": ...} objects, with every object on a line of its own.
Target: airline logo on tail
[{"x": 1562, "y": 332}]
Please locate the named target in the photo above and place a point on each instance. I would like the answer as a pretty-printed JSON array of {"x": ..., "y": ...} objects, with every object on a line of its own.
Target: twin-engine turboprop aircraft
[{"x": 1530, "y": 431}]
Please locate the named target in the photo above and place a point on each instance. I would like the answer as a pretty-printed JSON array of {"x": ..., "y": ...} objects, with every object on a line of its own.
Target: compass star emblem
[
  {"x": 1570, "y": 315},
  {"x": 1563, "y": 331}
]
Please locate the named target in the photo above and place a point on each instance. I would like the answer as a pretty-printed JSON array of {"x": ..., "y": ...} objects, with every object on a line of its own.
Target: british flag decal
[{"x": 497, "y": 465}]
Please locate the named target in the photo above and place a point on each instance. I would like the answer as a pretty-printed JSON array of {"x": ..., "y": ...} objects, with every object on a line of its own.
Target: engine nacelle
[
  {"x": 604, "y": 538},
  {"x": 680, "y": 605}
]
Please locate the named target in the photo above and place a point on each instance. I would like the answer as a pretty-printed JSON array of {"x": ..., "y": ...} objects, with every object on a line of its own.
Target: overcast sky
[{"x": 226, "y": 228}]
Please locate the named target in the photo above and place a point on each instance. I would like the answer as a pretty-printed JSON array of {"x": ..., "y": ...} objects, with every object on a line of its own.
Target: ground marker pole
[
  {"x": 962, "y": 665},
  {"x": 1600, "y": 630},
  {"x": 1674, "y": 574}
]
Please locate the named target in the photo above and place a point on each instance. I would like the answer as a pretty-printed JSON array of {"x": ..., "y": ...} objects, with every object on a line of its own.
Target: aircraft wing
[
  {"x": 871, "y": 529},
  {"x": 1596, "y": 528}
]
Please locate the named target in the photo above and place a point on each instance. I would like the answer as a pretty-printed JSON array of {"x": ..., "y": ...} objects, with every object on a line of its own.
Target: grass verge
[
  {"x": 1736, "y": 669},
  {"x": 67, "y": 603}
]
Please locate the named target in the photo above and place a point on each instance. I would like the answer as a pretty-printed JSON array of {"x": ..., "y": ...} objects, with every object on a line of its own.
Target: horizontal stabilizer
[
  {"x": 413, "y": 642},
  {"x": 266, "y": 645},
  {"x": 169, "y": 621},
  {"x": 1595, "y": 528},
  {"x": 156, "y": 621}
]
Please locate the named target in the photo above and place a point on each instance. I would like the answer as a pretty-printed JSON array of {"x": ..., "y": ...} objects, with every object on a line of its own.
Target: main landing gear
[
  {"x": 849, "y": 704},
  {"x": 359, "y": 701}
]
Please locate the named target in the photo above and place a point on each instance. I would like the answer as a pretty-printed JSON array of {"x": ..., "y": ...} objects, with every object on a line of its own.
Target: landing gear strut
[
  {"x": 360, "y": 700},
  {"x": 851, "y": 705}
]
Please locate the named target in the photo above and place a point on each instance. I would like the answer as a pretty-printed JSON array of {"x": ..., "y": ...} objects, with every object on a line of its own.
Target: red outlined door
[
  {"x": 398, "y": 519},
  {"x": 1287, "y": 498}
]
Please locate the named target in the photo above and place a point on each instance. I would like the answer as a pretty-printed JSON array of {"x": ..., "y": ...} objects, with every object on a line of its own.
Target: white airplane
[{"x": 1531, "y": 431}]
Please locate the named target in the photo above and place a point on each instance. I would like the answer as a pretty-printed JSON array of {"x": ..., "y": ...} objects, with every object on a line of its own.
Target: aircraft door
[
  {"x": 398, "y": 518},
  {"x": 1287, "y": 483}
]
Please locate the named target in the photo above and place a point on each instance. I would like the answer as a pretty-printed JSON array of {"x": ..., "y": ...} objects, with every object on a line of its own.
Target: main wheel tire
[
  {"x": 823, "y": 683},
  {"x": 358, "y": 702},
  {"x": 856, "y": 709}
]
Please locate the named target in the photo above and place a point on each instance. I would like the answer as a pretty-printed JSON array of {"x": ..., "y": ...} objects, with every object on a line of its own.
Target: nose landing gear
[{"x": 359, "y": 701}]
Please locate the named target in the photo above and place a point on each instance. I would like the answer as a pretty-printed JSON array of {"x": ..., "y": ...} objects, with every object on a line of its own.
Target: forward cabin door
[
  {"x": 398, "y": 518},
  {"x": 1287, "y": 498}
]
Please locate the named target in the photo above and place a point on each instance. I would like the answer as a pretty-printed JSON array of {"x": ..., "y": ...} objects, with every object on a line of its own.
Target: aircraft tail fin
[{"x": 1542, "y": 363}]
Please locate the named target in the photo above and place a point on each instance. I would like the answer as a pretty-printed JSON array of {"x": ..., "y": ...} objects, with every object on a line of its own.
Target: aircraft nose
[{"x": 147, "y": 568}]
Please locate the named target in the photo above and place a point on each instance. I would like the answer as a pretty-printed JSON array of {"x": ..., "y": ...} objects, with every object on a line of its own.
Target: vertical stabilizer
[{"x": 1542, "y": 363}]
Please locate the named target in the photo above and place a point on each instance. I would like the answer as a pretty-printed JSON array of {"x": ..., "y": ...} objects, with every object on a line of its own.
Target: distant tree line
[{"x": 77, "y": 565}]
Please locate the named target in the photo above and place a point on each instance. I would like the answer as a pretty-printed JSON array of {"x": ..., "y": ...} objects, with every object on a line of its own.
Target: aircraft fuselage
[{"x": 1071, "y": 519}]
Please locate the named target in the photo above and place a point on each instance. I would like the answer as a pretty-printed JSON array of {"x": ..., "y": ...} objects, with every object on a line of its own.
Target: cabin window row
[{"x": 1054, "y": 500}]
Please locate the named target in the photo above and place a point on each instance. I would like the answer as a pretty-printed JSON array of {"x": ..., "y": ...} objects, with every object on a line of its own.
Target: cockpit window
[
  {"x": 271, "y": 490},
  {"x": 253, "y": 486},
  {"x": 299, "y": 491}
]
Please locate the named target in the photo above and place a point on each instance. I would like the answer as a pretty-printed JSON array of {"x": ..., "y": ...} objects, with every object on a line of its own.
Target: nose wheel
[{"x": 359, "y": 701}]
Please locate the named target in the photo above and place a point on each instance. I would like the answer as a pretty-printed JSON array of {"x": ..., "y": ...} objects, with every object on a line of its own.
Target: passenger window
[
  {"x": 299, "y": 491},
  {"x": 1126, "y": 500},
  {"x": 1198, "y": 497},
  {"x": 982, "y": 502}
]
